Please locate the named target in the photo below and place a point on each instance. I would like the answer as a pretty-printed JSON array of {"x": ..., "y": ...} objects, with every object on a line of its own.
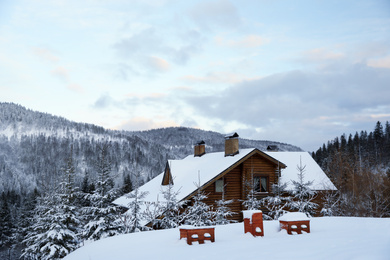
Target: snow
[
  {"x": 294, "y": 216},
  {"x": 333, "y": 238},
  {"x": 249, "y": 213},
  {"x": 313, "y": 171}
]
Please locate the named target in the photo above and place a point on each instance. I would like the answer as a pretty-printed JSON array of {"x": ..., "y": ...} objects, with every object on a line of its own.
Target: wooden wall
[{"x": 235, "y": 181}]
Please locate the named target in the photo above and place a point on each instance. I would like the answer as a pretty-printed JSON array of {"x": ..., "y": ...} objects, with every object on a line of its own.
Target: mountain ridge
[{"x": 34, "y": 146}]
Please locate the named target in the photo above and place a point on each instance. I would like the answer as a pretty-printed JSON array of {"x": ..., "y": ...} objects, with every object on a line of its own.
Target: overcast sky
[{"x": 299, "y": 72}]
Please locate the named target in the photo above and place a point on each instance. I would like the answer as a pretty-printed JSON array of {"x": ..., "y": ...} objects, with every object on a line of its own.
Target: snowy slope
[{"x": 330, "y": 238}]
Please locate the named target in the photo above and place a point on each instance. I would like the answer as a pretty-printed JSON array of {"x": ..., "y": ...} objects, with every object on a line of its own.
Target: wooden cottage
[{"x": 230, "y": 172}]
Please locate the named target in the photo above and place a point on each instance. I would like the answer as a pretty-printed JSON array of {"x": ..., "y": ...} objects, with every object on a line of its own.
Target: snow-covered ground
[{"x": 330, "y": 238}]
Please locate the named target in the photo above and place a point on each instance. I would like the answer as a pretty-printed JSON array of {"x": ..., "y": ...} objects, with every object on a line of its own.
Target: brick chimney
[
  {"x": 199, "y": 149},
  {"x": 231, "y": 144}
]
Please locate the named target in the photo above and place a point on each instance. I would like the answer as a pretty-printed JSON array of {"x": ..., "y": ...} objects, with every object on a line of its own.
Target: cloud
[
  {"x": 61, "y": 73},
  {"x": 303, "y": 102},
  {"x": 215, "y": 14},
  {"x": 380, "y": 63},
  {"x": 148, "y": 50},
  {"x": 321, "y": 54},
  {"x": 75, "y": 87},
  {"x": 143, "y": 123},
  {"x": 45, "y": 54},
  {"x": 104, "y": 101},
  {"x": 216, "y": 77},
  {"x": 158, "y": 64},
  {"x": 248, "y": 41}
]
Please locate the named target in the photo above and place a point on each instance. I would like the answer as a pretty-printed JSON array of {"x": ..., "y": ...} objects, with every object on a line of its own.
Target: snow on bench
[{"x": 295, "y": 222}]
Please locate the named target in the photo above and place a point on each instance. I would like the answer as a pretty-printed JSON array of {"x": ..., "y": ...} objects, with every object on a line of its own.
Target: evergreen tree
[
  {"x": 276, "y": 205},
  {"x": 127, "y": 184},
  {"x": 199, "y": 213},
  {"x": 102, "y": 216},
  {"x": 135, "y": 215},
  {"x": 170, "y": 208},
  {"x": 56, "y": 224},
  {"x": 251, "y": 202},
  {"x": 223, "y": 212},
  {"x": 302, "y": 193},
  {"x": 6, "y": 225}
]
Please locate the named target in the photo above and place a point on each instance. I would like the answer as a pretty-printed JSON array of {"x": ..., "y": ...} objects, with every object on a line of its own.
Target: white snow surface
[
  {"x": 188, "y": 171},
  {"x": 294, "y": 216},
  {"x": 336, "y": 238},
  {"x": 313, "y": 171}
]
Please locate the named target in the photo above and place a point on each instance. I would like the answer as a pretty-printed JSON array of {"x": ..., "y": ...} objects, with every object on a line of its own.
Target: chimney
[
  {"x": 272, "y": 148},
  {"x": 231, "y": 144},
  {"x": 199, "y": 149}
]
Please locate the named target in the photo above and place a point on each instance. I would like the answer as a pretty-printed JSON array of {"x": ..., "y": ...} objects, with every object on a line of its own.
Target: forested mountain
[
  {"x": 359, "y": 166},
  {"x": 58, "y": 177},
  {"x": 34, "y": 147}
]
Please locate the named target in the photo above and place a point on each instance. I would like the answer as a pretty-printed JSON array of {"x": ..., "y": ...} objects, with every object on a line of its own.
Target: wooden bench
[
  {"x": 197, "y": 234},
  {"x": 295, "y": 226}
]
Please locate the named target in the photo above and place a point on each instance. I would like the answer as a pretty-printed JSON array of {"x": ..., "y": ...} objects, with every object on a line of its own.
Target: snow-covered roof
[
  {"x": 192, "y": 171},
  {"x": 312, "y": 172}
]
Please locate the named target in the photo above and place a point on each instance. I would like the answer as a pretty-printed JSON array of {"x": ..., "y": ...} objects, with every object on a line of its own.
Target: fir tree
[
  {"x": 276, "y": 205},
  {"x": 135, "y": 214},
  {"x": 170, "y": 208},
  {"x": 251, "y": 202},
  {"x": 102, "y": 216},
  {"x": 223, "y": 212},
  {"x": 302, "y": 193},
  {"x": 199, "y": 213},
  {"x": 56, "y": 224}
]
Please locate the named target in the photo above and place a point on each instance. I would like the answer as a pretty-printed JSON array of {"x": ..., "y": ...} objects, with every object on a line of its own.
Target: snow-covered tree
[
  {"x": 199, "y": 213},
  {"x": 251, "y": 202},
  {"x": 56, "y": 223},
  {"x": 170, "y": 208},
  {"x": 276, "y": 205},
  {"x": 223, "y": 212},
  {"x": 302, "y": 193},
  {"x": 135, "y": 213},
  {"x": 102, "y": 216}
]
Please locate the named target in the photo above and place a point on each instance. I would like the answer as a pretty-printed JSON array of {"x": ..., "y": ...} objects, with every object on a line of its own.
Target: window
[
  {"x": 260, "y": 183},
  {"x": 219, "y": 185}
]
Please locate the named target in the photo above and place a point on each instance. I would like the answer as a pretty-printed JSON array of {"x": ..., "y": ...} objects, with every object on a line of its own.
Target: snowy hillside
[
  {"x": 330, "y": 238},
  {"x": 34, "y": 146}
]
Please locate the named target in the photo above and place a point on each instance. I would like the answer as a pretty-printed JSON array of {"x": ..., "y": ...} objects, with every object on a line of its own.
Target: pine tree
[
  {"x": 56, "y": 224},
  {"x": 276, "y": 205},
  {"x": 127, "y": 184},
  {"x": 102, "y": 216},
  {"x": 223, "y": 212},
  {"x": 251, "y": 202},
  {"x": 199, "y": 213},
  {"x": 169, "y": 208},
  {"x": 135, "y": 215},
  {"x": 302, "y": 193},
  {"x": 6, "y": 226}
]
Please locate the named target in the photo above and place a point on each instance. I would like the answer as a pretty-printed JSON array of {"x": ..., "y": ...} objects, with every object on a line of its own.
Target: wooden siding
[{"x": 235, "y": 181}]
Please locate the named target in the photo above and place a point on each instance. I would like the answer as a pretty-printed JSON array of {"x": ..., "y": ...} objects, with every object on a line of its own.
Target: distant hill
[{"x": 34, "y": 146}]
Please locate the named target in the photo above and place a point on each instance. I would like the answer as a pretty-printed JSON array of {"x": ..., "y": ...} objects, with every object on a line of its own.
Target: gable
[{"x": 167, "y": 178}]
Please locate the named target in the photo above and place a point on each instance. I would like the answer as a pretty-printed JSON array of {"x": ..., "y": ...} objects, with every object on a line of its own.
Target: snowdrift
[{"x": 330, "y": 238}]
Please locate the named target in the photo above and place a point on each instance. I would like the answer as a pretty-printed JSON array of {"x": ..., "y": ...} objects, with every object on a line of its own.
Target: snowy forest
[
  {"x": 50, "y": 166},
  {"x": 359, "y": 165},
  {"x": 58, "y": 179}
]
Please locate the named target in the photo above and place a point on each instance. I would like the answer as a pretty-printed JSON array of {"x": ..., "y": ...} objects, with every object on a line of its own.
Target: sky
[{"x": 297, "y": 72}]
